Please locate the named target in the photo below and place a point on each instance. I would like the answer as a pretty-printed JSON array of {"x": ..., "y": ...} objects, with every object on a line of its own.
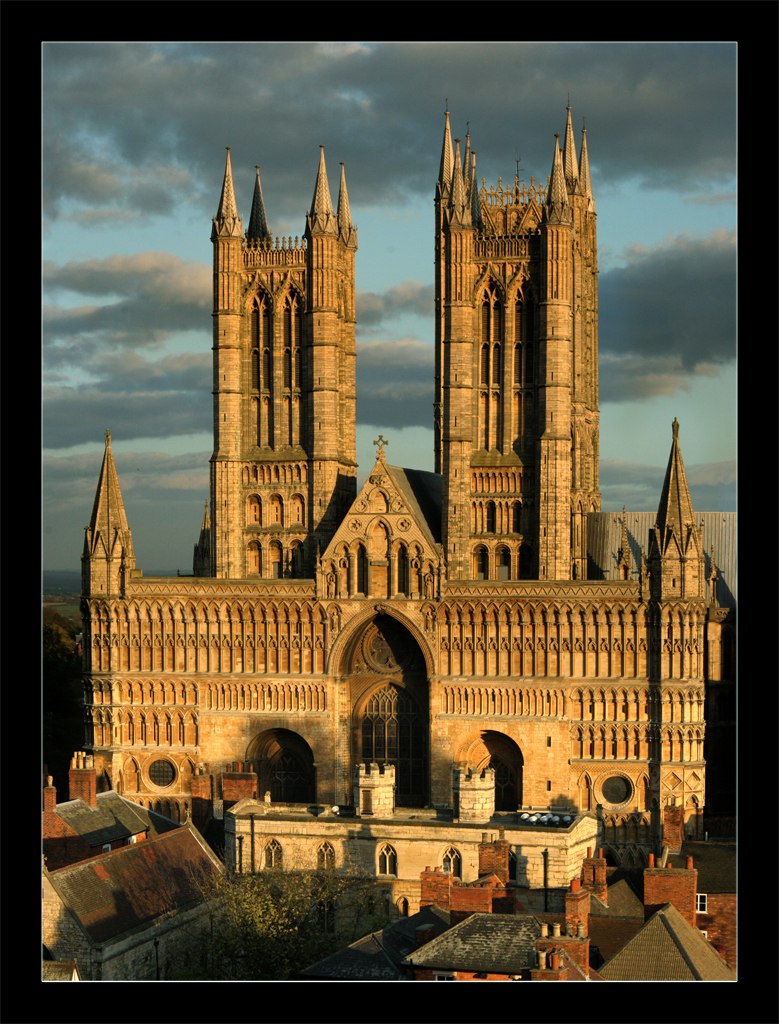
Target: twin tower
[{"x": 515, "y": 403}]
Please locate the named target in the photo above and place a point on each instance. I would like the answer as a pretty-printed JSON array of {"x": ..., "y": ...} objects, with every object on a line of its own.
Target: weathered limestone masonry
[
  {"x": 398, "y": 848},
  {"x": 450, "y": 625}
]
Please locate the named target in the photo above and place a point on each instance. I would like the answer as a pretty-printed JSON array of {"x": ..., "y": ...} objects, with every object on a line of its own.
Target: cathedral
[{"x": 434, "y": 650}]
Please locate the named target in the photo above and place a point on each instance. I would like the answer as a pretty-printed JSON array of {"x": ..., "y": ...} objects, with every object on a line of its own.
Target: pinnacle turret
[
  {"x": 459, "y": 211},
  {"x": 321, "y": 217},
  {"x": 585, "y": 181},
  {"x": 570, "y": 166},
  {"x": 475, "y": 200},
  {"x": 446, "y": 168},
  {"x": 227, "y": 222},
  {"x": 557, "y": 206},
  {"x": 346, "y": 229},
  {"x": 675, "y": 511},
  {"x": 258, "y": 224},
  {"x": 108, "y": 545}
]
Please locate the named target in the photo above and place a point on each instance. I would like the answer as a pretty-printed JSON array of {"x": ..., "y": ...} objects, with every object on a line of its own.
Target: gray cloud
[
  {"x": 712, "y": 486},
  {"x": 395, "y": 383},
  {"x": 408, "y": 297},
  {"x": 131, "y": 107},
  {"x": 669, "y": 315}
]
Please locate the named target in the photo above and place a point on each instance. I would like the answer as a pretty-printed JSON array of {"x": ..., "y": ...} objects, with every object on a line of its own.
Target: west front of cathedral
[{"x": 434, "y": 650}]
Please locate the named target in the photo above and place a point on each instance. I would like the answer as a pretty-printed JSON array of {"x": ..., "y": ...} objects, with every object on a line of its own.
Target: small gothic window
[
  {"x": 388, "y": 860},
  {"x": 326, "y": 857},
  {"x": 273, "y": 856},
  {"x": 452, "y": 862}
]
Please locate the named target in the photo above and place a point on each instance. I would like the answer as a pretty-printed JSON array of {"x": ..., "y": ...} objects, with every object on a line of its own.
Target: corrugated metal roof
[{"x": 720, "y": 534}]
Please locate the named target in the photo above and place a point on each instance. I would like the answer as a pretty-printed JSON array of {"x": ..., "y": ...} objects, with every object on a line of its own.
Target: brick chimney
[
  {"x": 82, "y": 778},
  {"x": 673, "y": 827},
  {"x": 577, "y": 905},
  {"x": 494, "y": 857},
  {"x": 49, "y": 795},
  {"x": 549, "y": 968},
  {"x": 671, "y": 885},
  {"x": 423, "y": 934},
  {"x": 434, "y": 888},
  {"x": 594, "y": 875}
]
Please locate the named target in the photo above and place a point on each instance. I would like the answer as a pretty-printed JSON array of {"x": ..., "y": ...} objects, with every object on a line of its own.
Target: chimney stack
[
  {"x": 49, "y": 795},
  {"x": 82, "y": 778}
]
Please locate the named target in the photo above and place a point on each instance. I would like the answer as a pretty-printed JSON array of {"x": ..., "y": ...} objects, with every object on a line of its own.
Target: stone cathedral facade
[{"x": 449, "y": 627}]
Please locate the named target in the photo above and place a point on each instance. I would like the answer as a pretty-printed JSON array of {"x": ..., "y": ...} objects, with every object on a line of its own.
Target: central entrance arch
[
  {"x": 284, "y": 764},
  {"x": 388, "y": 690}
]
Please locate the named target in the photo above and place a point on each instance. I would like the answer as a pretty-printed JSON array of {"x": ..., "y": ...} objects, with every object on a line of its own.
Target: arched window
[
  {"x": 325, "y": 857},
  {"x": 388, "y": 860},
  {"x": 296, "y": 561},
  {"x": 516, "y": 517},
  {"x": 276, "y": 510},
  {"x": 273, "y": 854},
  {"x": 480, "y": 564},
  {"x": 503, "y": 564},
  {"x": 490, "y": 524},
  {"x": 297, "y": 509},
  {"x": 525, "y": 562},
  {"x": 276, "y": 564},
  {"x": 254, "y": 514},
  {"x": 452, "y": 862},
  {"x": 402, "y": 906}
]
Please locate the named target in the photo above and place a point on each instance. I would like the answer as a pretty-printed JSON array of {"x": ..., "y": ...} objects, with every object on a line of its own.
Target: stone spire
[
  {"x": 475, "y": 200},
  {"x": 446, "y": 169},
  {"x": 459, "y": 211},
  {"x": 557, "y": 207},
  {"x": 346, "y": 229},
  {"x": 108, "y": 545},
  {"x": 258, "y": 224},
  {"x": 227, "y": 222},
  {"x": 201, "y": 563},
  {"x": 676, "y": 542},
  {"x": 321, "y": 217},
  {"x": 585, "y": 181},
  {"x": 675, "y": 511},
  {"x": 570, "y": 166}
]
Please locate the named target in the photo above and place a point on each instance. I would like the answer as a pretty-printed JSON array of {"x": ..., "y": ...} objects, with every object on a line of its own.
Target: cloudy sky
[{"x": 133, "y": 152}]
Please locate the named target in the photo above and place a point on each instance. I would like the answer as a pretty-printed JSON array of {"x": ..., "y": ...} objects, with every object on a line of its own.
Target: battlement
[
  {"x": 473, "y": 793},
  {"x": 277, "y": 251},
  {"x": 374, "y": 790}
]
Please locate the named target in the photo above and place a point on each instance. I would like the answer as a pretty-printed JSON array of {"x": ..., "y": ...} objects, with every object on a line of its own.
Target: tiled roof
[
  {"x": 667, "y": 948},
  {"x": 494, "y": 943},
  {"x": 130, "y": 887},
  {"x": 715, "y": 864},
  {"x": 379, "y": 956},
  {"x": 113, "y": 818},
  {"x": 622, "y": 902}
]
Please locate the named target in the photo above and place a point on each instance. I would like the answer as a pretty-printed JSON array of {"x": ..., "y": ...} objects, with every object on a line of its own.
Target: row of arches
[
  {"x": 502, "y": 562},
  {"x": 273, "y": 560},
  {"x": 141, "y": 727},
  {"x": 384, "y": 567},
  {"x": 275, "y": 472},
  {"x": 509, "y": 481},
  {"x": 274, "y": 511},
  {"x": 638, "y": 704},
  {"x": 502, "y": 700},
  {"x": 498, "y": 516}
]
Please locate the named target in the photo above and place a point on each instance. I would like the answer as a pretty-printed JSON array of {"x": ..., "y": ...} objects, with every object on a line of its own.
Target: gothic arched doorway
[
  {"x": 388, "y": 688},
  {"x": 285, "y": 765},
  {"x": 494, "y": 750}
]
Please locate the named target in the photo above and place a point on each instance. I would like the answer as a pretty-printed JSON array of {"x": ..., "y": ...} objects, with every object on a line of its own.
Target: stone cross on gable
[{"x": 380, "y": 446}]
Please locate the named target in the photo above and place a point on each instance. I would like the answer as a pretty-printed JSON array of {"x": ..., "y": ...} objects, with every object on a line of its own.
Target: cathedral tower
[
  {"x": 284, "y": 464},
  {"x": 516, "y": 367}
]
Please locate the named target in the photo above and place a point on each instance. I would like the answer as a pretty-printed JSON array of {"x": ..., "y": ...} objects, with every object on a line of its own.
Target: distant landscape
[{"x": 59, "y": 585}]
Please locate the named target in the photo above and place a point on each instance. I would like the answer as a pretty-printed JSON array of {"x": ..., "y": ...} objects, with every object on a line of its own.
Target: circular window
[
  {"x": 616, "y": 789},
  {"x": 162, "y": 773}
]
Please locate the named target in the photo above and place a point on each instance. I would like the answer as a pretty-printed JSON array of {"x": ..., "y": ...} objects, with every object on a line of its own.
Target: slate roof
[
  {"x": 378, "y": 956},
  {"x": 622, "y": 902},
  {"x": 715, "y": 864},
  {"x": 112, "y": 819},
  {"x": 423, "y": 492},
  {"x": 667, "y": 948},
  {"x": 131, "y": 887},
  {"x": 494, "y": 943}
]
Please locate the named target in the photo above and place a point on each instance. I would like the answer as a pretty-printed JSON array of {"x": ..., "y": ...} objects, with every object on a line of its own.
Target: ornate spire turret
[
  {"x": 459, "y": 211},
  {"x": 585, "y": 181},
  {"x": 675, "y": 543},
  {"x": 258, "y": 224},
  {"x": 557, "y": 208},
  {"x": 321, "y": 217},
  {"x": 570, "y": 167},
  {"x": 108, "y": 546},
  {"x": 227, "y": 222},
  {"x": 446, "y": 169},
  {"x": 475, "y": 200},
  {"x": 624, "y": 564},
  {"x": 346, "y": 229}
]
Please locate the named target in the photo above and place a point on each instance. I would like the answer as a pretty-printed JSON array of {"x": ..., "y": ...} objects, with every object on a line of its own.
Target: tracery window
[
  {"x": 388, "y": 860},
  {"x": 273, "y": 854},
  {"x": 326, "y": 857},
  {"x": 452, "y": 862},
  {"x": 393, "y": 731}
]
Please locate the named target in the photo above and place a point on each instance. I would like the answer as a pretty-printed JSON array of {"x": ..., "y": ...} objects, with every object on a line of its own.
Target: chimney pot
[
  {"x": 581, "y": 931},
  {"x": 542, "y": 959},
  {"x": 689, "y": 863},
  {"x": 651, "y": 860},
  {"x": 600, "y": 852},
  {"x": 556, "y": 929},
  {"x": 555, "y": 962},
  {"x": 576, "y": 884},
  {"x": 544, "y": 930},
  {"x": 589, "y": 852},
  {"x": 669, "y": 864}
]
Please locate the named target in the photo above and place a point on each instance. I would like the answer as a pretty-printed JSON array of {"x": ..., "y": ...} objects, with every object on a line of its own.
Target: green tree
[
  {"x": 63, "y": 701},
  {"x": 270, "y": 925}
]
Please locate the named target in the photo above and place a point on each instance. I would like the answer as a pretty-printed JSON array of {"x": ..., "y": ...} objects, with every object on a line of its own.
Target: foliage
[
  {"x": 63, "y": 696},
  {"x": 271, "y": 925}
]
